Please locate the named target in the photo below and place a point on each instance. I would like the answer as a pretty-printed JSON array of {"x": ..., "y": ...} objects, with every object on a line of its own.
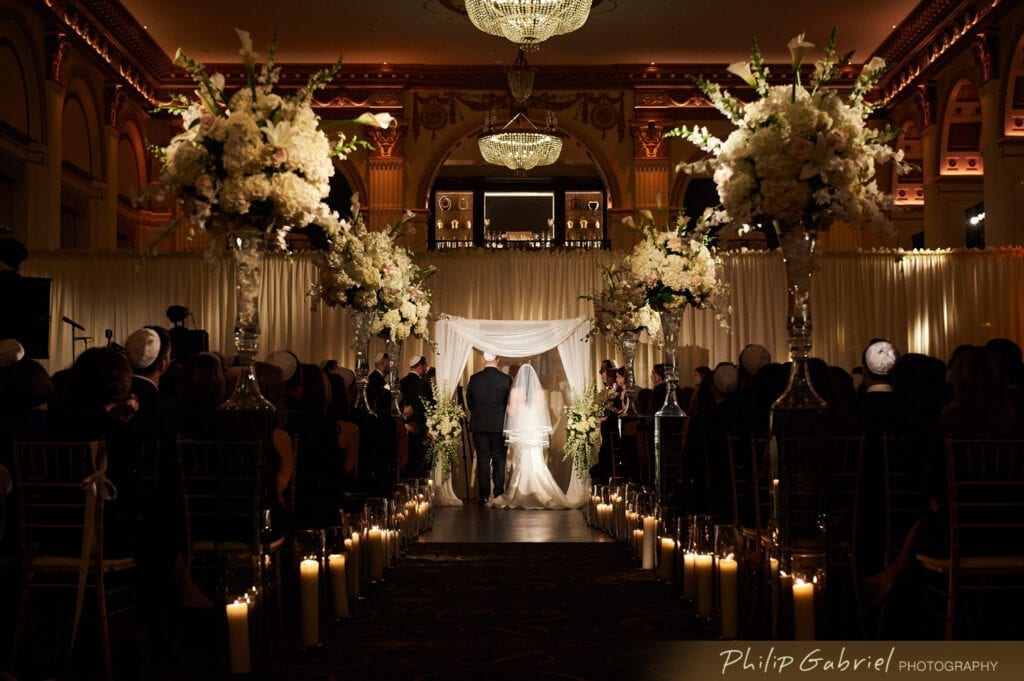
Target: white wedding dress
[{"x": 527, "y": 430}]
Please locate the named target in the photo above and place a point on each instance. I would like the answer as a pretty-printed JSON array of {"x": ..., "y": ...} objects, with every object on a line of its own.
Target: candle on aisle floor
[
  {"x": 238, "y": 637},
  {"x": 339, "y": 584},
  {"x": 803, "y": 610},
  {"x": 705, "y": 596},
  {"x": 376, "y": 539},
  {"x": 355, "y": 562},
  {"x": 650, "y": 535},
  {"x": 309, "y": 602},
  {"x": 667, "y": 566},
  {"x": 638, "y": 540},
  {"x": 728, "y": 590},
  {"x": 689, "y": 574}
]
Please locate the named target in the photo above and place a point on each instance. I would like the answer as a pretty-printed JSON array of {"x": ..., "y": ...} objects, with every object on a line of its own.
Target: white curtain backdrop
[
  {"x": 510, "y": 339},
  {"x": 927, "y": 302}
]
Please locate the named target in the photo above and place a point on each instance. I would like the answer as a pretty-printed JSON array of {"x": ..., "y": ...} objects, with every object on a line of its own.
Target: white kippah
[
  {"x": 880, "y": 357},
  {"x": 754, "y": 357},
  {"x": 726, "y": 378},
  {"x": 378, "y": 357},
  {"x": 489, "y": 357},
  {"x": 415, "y": 360},
  {"x": 142, "y": 348},
  {"x": 11, "y": 351},
  {"x": 285, "y": 361}
]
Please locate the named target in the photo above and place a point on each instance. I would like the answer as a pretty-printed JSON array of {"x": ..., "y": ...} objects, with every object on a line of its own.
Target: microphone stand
[{"x": 76, "y": 338}]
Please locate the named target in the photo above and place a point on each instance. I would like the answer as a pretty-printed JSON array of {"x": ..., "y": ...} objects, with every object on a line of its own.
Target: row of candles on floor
[
  {"x": 713, "y": 563},
  {"x": 331, "y": 564}
]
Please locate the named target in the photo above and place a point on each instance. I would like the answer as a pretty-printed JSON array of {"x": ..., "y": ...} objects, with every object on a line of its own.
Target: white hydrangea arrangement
[
  {"x": 252, "y": 154},
  {"x": 676, "y": 264},
  {"x": 583, "y": 428},
  {"x": 800, "y": 157},
  {"x": 620, "y": 307},
  {"x": 444, "y": 425},
  {"x": 366, "y": 271}
]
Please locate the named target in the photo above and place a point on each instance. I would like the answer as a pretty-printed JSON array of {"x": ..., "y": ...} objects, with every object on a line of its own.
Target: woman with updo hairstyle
[{"x": 201, "y": 390}]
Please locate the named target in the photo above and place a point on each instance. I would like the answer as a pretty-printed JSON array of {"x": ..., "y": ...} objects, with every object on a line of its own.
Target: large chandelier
[
  {"x": 528, "y": 22},
  {"x": 519, "y": 144}
]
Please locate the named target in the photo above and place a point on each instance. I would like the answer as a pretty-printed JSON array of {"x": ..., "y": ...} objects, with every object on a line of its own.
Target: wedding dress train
[{"x": 531, "y": 485}]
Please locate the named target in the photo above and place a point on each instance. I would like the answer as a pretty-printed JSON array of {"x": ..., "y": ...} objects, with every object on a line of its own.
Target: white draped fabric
[
  {"x": 456, "y": 337},
  {"x": 927, "y": 302}
]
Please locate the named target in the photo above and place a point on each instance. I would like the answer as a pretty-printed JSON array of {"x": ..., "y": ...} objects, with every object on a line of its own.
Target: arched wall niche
[
  {"x": 132, "y": 173},
  {"x": 961, "y": 131},
  {"x": 908, "y": 189},
  {"x": 1014, "y": 118},
  {"x": 20, "y": 79},
  {"x": 81, "y": 130}
]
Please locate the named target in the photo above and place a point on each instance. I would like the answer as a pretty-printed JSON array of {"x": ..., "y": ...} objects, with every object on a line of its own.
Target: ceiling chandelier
[
  {"x": 520, "y": 78},
  {"x": 528, "y": 22},
  {"x": 520, "y": 145}
]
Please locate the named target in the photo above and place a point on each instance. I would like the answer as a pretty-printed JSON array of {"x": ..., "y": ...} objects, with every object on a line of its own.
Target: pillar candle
[
  {"x": 638, "y": 540},
  {"x": 356, "y": 563},
  {"x": 667, "y": 566},
  {"x": 689, "y": 574},
  {"x": 376, "y": 539},
  {"x": 650, "y": 535},
  {"x": 309, "y": 602},
  {"x": 339, "y": 584},
  {"x": 728, "y": 590},
  {"x": 238, "y": 637},
  {"x": 803, "y": 610},
  {"x": 422, "y": 509},
  {"x": 705, "y": 595}
]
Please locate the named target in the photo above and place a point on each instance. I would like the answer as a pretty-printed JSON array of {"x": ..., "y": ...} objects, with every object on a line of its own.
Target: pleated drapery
[{"x": 927, "y": 302}]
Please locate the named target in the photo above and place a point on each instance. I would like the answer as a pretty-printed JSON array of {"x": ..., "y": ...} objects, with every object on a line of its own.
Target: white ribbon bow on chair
[{"x": 95, "y": 485}]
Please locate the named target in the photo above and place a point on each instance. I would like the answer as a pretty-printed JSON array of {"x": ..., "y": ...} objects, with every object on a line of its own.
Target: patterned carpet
[{"x": 490, "y": 611}]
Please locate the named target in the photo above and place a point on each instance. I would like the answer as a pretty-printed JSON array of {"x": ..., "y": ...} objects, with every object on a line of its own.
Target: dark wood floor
[{"x": 476, "y": 524}]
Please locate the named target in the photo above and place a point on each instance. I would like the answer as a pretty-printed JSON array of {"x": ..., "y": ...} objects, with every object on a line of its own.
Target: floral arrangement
[
  {"x": 253, "y": 154},
  {"x": 620, "y": 307},
  {"x": 676, "y": 265},
  {"x": 444, "y": 424},
  {"x": 798, "y": 156},
  {"x": 366, "y": 271},
  {"x": 583, "y": 428}
]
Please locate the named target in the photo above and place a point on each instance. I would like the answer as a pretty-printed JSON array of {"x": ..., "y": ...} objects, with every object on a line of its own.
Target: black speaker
[
  {"x": 187, "y": 343},
  {"x": 25, "y": 313}
]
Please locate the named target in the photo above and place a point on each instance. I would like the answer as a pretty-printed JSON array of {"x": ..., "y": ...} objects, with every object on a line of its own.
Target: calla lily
[
  {"x": 248, "y": 56},
  {"x": 647, "y": 215},
  {"x": 798, "y": 47},
  {"x": 742, "y": 70},
  {"x": 381, "y": 120},
  {"x": 876, "y": 64}
]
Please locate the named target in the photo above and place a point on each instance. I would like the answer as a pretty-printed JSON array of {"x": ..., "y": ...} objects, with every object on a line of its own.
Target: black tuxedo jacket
[{"x": 486, "y": 398}]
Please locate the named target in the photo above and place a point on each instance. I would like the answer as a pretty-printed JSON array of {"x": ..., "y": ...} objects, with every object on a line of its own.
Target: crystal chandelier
[
  {"x": 519, "y": 144},
  {"x": 528, "y": 22},
  {"x": 520, "y": 78}
]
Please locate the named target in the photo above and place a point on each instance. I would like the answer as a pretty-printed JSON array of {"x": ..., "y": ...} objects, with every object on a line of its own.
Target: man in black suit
[
  {"x": 486, "y": 398},
  {"x": 415, "y": 392}
]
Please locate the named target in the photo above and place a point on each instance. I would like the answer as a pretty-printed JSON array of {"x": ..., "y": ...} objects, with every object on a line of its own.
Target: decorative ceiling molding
[{"x": 919, "y": 46}]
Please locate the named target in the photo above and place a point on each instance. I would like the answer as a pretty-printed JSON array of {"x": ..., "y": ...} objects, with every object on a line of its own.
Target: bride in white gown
[{"x": 527, "y": 431}]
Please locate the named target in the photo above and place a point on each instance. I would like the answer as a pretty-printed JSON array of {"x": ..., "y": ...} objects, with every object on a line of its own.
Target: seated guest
[
  {"x": 877, "y": 405},
  {"x": 202, "y": 389},
  {"x": 281, "y": 457}
]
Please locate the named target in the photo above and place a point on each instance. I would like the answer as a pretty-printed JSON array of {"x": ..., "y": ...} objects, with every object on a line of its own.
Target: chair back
[
  {"x": 751, "y": 481},
  {"x": 986, "y": 500},
  {"x": 50, "y": 479},
  {"x": 224, "y": 491},
  {"x": 905, "y": 460}
]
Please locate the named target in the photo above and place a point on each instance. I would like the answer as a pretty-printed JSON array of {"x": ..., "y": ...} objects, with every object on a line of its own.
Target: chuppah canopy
[{"x": 456, "y": 337}]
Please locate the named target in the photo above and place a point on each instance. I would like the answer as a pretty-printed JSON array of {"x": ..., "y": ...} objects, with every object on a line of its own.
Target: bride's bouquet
[
  {"x": 444, "y": 425},
  {"x": 583, "y": 428}
]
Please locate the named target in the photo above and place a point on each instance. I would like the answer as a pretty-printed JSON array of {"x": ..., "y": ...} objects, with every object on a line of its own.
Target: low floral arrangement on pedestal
[
  {"x": 676, "y": 265},
  {"x": 444, "y": 425},
  {"x": 583, "y": 428},
  {"x": 800, "y": 157},
  {"x": 366, "y": 271},
  {"x": 252, "y": 156},
  {"x": 620, "y": 307}
]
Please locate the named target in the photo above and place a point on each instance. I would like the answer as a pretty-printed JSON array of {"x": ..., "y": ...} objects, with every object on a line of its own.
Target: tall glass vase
[
  {"x": 671, "y": 321},
  {"x": 361, "y": 324},
  {"x": 628, "y": 341},
  {"x": 668, "y": 421},
  {"x": 394, "y": 349},
  {"x": 248, "y": 249},
  {"x": 801, "y": 259}
]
